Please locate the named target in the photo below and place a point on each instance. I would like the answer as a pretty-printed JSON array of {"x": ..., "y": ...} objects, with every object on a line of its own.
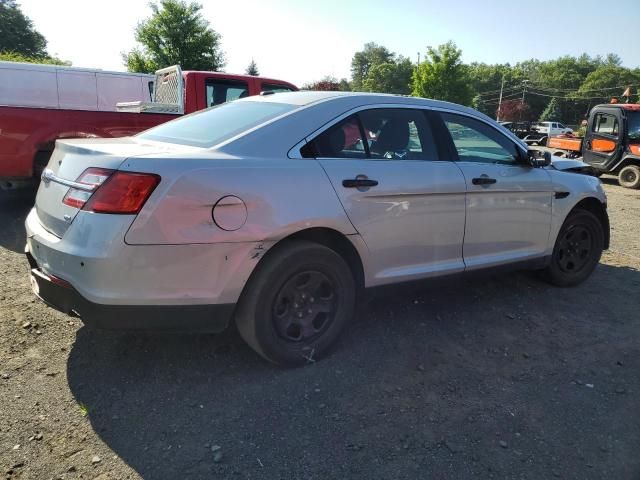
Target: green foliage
[
  {"x": 606, "y": 80},
  {"x": 17, "y": 33},
  {"x": 176, "y": 33},
  {"x": 252, "y": 69},
  {"x": 443, "y": 76},
  {"x": 344, "y": 85},
  {"x": 389, "y": 77},
  {"x": 372, "y": 54},
  {"x": 17, "y": 57},
  {"x": 552, "y": 112}
]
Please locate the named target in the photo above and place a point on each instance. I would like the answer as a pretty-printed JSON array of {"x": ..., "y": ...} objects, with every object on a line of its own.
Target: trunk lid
[{"x": 69, "y": 159}]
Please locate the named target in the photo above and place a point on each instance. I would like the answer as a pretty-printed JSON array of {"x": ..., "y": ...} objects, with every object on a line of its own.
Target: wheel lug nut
[
  {"x": 299, "y": 314},
  {"x": 295, "y": 305},
  {"x": 309, "y": 311},
  {"x": 311, "y": 299}
]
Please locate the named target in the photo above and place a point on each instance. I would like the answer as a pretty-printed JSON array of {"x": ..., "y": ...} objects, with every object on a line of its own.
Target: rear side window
[
  {"x": 477, "y": 142},
  {"x": 380, "y": 134},
  {"x": 606, "y": 124},
  {"x": 221, "y": 91},
  {"x": 271, "y": 87},
  {"x": 207, "y": 128}
]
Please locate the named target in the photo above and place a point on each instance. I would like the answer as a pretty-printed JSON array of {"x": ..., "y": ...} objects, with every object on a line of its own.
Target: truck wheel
[
  {"x": 629, "y": 176},
  {"x": 577, "y": 250},
  {"x": 296, "y": 303}
]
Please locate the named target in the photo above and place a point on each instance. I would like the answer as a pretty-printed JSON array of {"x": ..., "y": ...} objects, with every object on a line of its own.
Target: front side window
[
  {"x": 605, "y": 124},
  {"x": 272, "y": 87},
  {"x": 207, "y": 128},
  {"x": 633, "y": 118},
  {"x": 476, "y": 141},
  {"x": 381, "y": 134},
  {"x": 222, "y": 91}
]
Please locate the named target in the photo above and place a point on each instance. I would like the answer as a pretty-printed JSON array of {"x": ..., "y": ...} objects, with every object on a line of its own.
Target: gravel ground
[{"x": 499, "y": 378}]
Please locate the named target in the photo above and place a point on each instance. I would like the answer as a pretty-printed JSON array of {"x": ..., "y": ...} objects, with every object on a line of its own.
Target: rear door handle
[
  {"x": 483, "y": 181},
  {"x": 359, "y": 183}
]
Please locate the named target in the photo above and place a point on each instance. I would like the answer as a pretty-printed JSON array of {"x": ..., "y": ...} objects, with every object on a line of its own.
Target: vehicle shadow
[
  {"x": 14, "y": 208},
  {"x": 420, "y": 383}
]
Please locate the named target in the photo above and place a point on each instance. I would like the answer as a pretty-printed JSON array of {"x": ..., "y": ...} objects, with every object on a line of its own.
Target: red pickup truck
[{"x": 40, "y": 104}]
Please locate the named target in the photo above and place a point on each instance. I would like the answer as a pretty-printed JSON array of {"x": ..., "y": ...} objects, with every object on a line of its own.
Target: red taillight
[
  {"x": 93, "y": 178},
  {"x": 110, "y": 191},
  {"x": 122, "y": 193}
]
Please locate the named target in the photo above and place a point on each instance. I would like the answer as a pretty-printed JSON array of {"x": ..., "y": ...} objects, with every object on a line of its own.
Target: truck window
[
  {"x": 605, "y": 123},
  {"x": 634, "y": 126},
  {"x": 270, "y": 87},
  {"x": 221, "y": 91}
]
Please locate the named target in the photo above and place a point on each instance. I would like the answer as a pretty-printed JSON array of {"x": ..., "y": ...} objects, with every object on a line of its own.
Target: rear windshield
[
  {"x": 634, "y": 126},
  {"x": 217, "y": 124}
]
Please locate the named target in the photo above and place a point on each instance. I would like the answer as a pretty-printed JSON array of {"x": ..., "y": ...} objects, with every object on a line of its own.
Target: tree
[
  {"x": 364, "y": 60},
  {"x": 443, "y": 76},
  {"x": 514, "y": 111},
  {"x": 176, "y": 33},
  {"x": 607, "y": 81},
  {"x": 16, "y": 57},
  {"x": 552, "y": 112},
  {"x": 325, "y": 84},
  {"x": 344, "y": 85},
  {"x": 252, "y": 69},
  {"x": 390, "y": 77},
  {"x": 17, "y": 33}
]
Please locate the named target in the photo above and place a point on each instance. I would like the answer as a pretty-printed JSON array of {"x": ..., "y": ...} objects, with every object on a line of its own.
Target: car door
[
  {"x": 508, "y": 202},
  {"x": 406, "y": 203},
  {"x": 602, "y": 145}
]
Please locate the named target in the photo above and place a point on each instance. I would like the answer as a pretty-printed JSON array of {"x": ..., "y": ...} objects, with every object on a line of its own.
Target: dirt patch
[{"x": 505, "y": 378}]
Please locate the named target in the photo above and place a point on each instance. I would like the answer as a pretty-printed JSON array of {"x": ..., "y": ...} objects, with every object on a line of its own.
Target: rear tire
[
  {"x": 296, "y": 303},
  {"x": 577, "y": 250},
  {"x": 629, "y": 176}
]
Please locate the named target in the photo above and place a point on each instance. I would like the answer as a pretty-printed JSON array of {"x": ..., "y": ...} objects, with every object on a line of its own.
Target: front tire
[
  {"x": 296, "y": 303},
  {"x": 629, "y": 176},
  {"x": 577, "y": 250}
]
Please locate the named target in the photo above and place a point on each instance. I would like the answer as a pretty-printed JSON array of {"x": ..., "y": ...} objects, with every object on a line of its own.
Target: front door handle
[
  {"x": 359, "y": 183},
  {"x": 483, "y": 181}
]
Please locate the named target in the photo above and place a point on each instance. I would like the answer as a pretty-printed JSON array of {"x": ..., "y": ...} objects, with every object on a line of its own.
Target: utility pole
[
  {"x": 418, "y": 58},
  {"x": 500, "y": 100},
  {"x": 524, "y": 90}
]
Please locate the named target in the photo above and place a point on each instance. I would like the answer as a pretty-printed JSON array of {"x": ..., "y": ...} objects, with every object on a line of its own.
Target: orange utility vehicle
[{"x": 611, "y": 143}]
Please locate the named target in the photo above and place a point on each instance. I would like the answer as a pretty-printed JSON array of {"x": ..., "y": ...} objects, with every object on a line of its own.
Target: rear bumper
[{"x": 62, "y": 296}]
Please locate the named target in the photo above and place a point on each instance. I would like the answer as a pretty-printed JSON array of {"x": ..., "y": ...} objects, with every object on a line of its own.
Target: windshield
[
  {"x": 634, "y": 126},
  {"x": 217, "y": 124}
]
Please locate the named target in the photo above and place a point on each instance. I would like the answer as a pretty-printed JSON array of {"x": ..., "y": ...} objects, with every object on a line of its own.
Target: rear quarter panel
[{"x": 282, "y": 196}]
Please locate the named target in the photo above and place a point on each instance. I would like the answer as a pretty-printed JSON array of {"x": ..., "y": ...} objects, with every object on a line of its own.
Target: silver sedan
[{"x": 275, "y": 211}]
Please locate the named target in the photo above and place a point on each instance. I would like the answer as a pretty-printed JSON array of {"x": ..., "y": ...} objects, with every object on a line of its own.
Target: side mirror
[{"x": 538, "y": 158}]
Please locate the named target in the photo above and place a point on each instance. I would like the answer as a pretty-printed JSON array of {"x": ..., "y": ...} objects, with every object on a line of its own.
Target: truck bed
[
  {"x": 573, "y": 144},
  {"x": 28, "y": 134}
]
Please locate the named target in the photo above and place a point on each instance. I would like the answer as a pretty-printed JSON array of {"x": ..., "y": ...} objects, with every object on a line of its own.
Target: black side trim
[
  {"x": 559, "y": 195},
  {"x": 414, "y": 285},
  {"x": 198, "y": 318}
]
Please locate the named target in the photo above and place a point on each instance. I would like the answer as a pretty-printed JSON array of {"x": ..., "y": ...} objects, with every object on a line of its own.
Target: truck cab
[{"x": 612, "y": 142}]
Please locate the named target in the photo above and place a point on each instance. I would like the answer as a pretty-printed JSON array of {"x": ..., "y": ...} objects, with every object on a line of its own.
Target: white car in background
[
  {"x": 274, "y": 211},
  {"x": 552, "y": 129}
]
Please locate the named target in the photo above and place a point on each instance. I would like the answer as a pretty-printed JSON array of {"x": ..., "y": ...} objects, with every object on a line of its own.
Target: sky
[{"x": 303, "y": 40}]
